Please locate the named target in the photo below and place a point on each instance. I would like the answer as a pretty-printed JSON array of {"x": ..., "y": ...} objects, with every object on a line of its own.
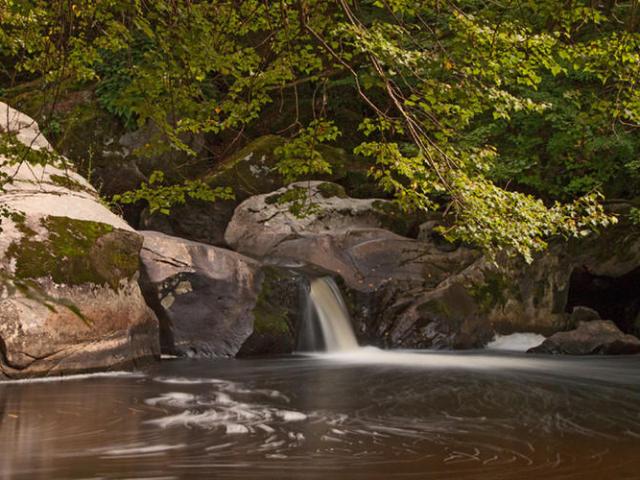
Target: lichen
[{"x": 76, "y": 252}]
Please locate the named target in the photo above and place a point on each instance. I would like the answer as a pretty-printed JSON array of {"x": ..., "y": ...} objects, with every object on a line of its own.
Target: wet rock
[
  {"x": 385, "y": 276},
  {"x": 277, "y": 312},
  {"x": 69, "y": 298},
  {"x": 594, "y": 337}
]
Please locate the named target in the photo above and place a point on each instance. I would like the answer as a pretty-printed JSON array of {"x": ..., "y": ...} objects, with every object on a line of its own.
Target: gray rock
[
  {"x": 386, "y": 277},
  {"x": 594, "y": 337},
  {"x": 205, "y": 296},
  {"x": 426, "y": 293},
  {"x": 69, "y": 298},
  {"x": 263, "y": 222},
  {"x": 583, "y": 314}
]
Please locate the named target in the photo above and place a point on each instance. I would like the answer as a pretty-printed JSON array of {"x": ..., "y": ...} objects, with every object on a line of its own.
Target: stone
[
  {"x": 203, "y": 295},
  {"x": 425, "y": 292},
  {"x": 583, "y": 314},
  {"x": 385, "y": 276},
  {"x": 213, "y": 302},
  {"x": 250, "y": 171},
  {"x": 262, "y": 222},
  {"x": 601, "y": 337},
  {"x": 69, "y": 297}
]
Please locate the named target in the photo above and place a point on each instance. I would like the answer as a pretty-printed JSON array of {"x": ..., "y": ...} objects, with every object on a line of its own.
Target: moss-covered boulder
[
  {"x": 425, "y": 292},
  {"x": 69, "y": 297}
]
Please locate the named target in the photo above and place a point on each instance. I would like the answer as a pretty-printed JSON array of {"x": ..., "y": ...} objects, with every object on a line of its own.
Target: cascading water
[{"x": 327, "y": 324}]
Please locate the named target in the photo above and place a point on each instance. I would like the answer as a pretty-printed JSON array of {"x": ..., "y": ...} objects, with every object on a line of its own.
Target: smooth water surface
[{"x": 361, "y": 415}]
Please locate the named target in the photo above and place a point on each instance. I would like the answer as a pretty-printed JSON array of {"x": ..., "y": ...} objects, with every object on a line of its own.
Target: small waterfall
[{"x": 326, "y": 323}]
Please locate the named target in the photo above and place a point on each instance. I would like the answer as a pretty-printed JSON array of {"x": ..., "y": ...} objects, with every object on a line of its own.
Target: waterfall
[{"x": 326, "y": 320}]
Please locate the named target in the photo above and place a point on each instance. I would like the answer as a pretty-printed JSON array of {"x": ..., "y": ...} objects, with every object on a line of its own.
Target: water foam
[
  {"x": 80, "y": 376},
  {"x": 516, "y": 342}
]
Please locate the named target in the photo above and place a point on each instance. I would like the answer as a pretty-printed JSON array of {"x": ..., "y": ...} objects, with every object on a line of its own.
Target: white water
[
  {"x": 332, "y": 315},
  {"x": 516, "y": 342}
]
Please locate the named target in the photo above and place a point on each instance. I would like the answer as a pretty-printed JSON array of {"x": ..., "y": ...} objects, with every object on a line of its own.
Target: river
[{"x": 365, "y": 414}]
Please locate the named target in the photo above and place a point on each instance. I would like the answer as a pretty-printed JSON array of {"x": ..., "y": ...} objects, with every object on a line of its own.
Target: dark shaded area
[
  {"x": 614, "y": 298},
  {"x": 167, "y": 340}
]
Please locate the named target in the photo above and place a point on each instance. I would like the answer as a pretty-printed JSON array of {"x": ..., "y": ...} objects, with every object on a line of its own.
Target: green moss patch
[
  {"x": 328, "y": 190},
  {"x": 496, "y": 289},
  {"x": 270, "y": 316},
  {"x": 68, "y": 183},
  {"x": 76, "y": 252}
]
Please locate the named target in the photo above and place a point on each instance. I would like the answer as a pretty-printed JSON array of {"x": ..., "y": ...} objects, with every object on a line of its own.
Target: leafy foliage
[
  {"x": 161, "y": 198},
  {"x": 512, "y": 116}
]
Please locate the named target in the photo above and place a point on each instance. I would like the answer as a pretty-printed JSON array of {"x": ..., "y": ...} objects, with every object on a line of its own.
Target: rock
[
  {"x": 250, "y": 171},
  {"x": 69, "y": 298},
  {"x": 583, "y": 314},
  {"x": 203, "y": 295},
  {"x": 277, "y": 313},
  {"x": 385, "y": 276},
  {"x": 417, "y": 294},
  {"x": 213, "y": 302},
  {"x": 263, "y": 222},
  {"x": 199, "y": 221},
  {"x": 594, "y": 337}
]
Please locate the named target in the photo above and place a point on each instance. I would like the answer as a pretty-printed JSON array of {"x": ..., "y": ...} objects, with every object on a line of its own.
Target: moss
[
  {"x": 76, "y": 252},
  {"x": 393, "y": 218},
  {"x": 496, "y": 289},
  {"x": 68, "y": 183},
  {"x": 328, "y": 190},
  {"x": 294, "y": 194},
  {"x": 249, "y": 171},
  {"x": 270, "y": 316}
]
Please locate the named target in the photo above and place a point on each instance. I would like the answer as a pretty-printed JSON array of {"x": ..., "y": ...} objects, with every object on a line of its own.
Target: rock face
[
  {"x": 400, "y": 290},
  {"x": 69, "y": 298},
  {"x": 211, "y": 301},
  {"x": 593, "y": 337},
  {"x": 263, "y": 222},
  {"x": 423, "y": 293}
]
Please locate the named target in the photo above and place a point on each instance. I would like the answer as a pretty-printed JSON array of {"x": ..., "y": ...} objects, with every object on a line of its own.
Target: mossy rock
[
  {"x": 76, "y": 252},
  {"x": 394, "y": 218},
  {"x": 252, "y": 170},
  {"x": 497, "y": 287},
  {"x": 275, "y": 314}
]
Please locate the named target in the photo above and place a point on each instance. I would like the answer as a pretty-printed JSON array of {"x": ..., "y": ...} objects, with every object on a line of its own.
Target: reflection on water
[{"x": 363, "y": 415}]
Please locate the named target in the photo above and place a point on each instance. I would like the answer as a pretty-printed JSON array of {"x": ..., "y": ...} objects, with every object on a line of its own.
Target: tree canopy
[{"x": 514, "y": 116}]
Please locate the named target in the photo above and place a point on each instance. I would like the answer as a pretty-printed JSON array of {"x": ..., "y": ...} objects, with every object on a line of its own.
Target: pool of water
[{"x": 362, "y": 415}]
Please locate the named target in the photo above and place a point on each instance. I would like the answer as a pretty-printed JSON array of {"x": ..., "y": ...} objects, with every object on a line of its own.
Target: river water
[{"x": 361, "y": 415}]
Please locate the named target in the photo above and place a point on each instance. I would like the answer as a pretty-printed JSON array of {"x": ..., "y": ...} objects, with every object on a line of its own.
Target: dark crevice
[
  {"x": 167, "y": 341},
  {"x": 614, "y": 298}
]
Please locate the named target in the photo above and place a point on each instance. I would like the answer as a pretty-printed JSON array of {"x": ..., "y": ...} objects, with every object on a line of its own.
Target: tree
[{"x": 511, "y": 116}]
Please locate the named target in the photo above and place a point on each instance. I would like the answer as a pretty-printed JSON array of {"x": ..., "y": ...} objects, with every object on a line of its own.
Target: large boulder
[
  {"x": 410, "y": 293},
  {"x": 211, "y": 301},
  {"x": 69, "y": 298},
  {"x": 249, "y": 171},
  {"x": 306, "y": 210},
  {"x": 593, "y": 337},
  {"x": 398, "y": 289}
]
